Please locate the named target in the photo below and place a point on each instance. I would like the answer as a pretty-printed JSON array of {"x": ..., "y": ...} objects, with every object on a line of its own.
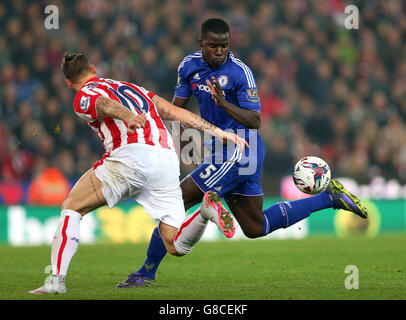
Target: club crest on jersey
[
  {"x": 84, "y": 103},
  {"x": 252, "y": 95},
  {"x": 222, "y": 80}
]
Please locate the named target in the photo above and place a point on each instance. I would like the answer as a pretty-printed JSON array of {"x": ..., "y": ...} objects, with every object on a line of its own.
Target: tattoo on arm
[
  {"x": 202, "y": 124},
  {"x": 171, "y": 112},
  {"x": 107, "y": 107},
  {"x": 164, "y": 111},
  {"x": 101, "y": 104}
]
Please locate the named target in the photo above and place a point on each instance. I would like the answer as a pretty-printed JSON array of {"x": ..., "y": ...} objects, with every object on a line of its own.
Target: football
[{"x": 311, "y": 175}]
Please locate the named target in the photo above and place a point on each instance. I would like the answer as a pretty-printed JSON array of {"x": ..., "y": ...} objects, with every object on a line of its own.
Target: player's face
[{"x": 215, "y": 48}]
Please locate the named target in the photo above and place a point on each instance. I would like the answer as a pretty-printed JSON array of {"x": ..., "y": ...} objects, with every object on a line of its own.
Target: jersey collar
[{"x": 92, "y": 79}]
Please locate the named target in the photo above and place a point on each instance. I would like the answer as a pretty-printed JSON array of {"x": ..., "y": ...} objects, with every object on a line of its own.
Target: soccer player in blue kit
[{"x": 227, "y": 96}]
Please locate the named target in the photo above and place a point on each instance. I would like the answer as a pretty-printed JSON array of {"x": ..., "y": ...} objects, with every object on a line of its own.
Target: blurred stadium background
[{"x": 325, "y": 90}]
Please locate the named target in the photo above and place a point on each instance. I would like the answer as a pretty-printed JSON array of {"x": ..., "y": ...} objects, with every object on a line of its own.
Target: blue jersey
[
  {"x": 239, "y": 87},
  {"x": 234, "y": 77}
]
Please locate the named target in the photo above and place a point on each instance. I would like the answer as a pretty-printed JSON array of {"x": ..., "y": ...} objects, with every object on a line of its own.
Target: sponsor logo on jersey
[
  {"x": 196, "y": 76},
  {"x": 201, "y": 87}
]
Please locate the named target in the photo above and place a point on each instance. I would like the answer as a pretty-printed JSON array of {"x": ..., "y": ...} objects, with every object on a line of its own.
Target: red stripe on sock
[
  {"x": 185, "y": 224},
  {"x": 63, "y": 244}
]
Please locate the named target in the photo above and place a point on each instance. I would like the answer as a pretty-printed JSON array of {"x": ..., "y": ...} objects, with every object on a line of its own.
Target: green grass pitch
[{"x": 312, "y": 268}]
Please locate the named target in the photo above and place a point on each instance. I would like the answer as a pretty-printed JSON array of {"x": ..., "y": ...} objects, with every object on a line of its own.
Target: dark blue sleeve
[
  {"x": 246, "y": 91},
  {"x": 182, "y": 89}
]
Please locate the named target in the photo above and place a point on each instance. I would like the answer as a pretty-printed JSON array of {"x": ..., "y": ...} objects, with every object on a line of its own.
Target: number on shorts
[{"x": 208, "y": 171}]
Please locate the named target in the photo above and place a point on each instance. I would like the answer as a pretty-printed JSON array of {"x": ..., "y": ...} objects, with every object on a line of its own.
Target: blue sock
[
  {"x": 284, "y": 214},
  {"x": 155, "y": 253}
]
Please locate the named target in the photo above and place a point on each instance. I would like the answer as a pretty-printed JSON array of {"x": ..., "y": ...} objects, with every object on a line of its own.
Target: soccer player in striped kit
[
  {"x": 140, "y": 162},
  {"x": 227, "y": 96}
]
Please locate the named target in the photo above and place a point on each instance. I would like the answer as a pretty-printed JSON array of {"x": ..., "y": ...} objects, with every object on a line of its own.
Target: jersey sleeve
[
  {"x": 247, "y": 92},
  {"x": 84, "y": 103},
  {"x": 182, "y": 89},
  {"x": 151, "y": 95},
  {"x": 148, "y": 93}
]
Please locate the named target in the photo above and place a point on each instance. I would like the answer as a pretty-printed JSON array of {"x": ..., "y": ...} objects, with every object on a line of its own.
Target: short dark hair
[
  {"x": 74, "y": 65},
  {"x": 215, "y": 25}
]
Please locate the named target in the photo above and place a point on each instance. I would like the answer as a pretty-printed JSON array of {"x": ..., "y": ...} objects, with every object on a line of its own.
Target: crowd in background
[{"x": 325, "y": 90}]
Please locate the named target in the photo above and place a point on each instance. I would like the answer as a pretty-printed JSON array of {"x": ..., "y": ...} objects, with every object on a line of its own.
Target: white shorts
[{"x": 148, "y": 174}]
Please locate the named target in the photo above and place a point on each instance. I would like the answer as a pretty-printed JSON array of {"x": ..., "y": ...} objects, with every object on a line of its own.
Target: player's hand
[
  {"x": 241, "y": 143},
  {"x": 136, "y": 122},
  {"x": 216, "y": 91}
]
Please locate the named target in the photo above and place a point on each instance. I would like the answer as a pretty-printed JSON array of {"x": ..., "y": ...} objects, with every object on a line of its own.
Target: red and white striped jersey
[{"x": 113, "y": 132}]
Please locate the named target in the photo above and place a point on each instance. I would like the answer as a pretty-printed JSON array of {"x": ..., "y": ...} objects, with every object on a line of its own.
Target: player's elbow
[
  {"x": 255, "y": 122},
  {"x": 258, "y": 123}
]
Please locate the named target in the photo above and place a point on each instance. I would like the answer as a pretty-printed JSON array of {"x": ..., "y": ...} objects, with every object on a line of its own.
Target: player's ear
[
  {"x": 93, "y": 68},
  {"x": 69, "y": 83}
]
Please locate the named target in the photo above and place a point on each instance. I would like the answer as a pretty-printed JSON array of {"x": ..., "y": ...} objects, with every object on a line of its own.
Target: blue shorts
[{"x": 230, "y": 172}]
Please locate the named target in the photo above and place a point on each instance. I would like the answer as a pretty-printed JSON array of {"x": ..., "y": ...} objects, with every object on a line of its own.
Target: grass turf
[{"x": 311, "y": 268}]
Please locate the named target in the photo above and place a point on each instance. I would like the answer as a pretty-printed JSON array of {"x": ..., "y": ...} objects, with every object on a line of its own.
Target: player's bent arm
[
  {"x": 107, "y": 107},
  {"x": 169, "y": 111},
  {"x": 248, "y": 118}
]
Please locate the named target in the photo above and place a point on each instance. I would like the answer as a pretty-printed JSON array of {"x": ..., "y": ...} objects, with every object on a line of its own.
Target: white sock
[
  {"x": 190, "y": 232},
  {"x": 66, "y": 241}
]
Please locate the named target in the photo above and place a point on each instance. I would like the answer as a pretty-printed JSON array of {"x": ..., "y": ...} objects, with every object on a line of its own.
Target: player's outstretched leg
[
  {"x": 213, "y": 210},
  {"x": 343, "y": 199},
  {"x": 284, "y": 214},
  {"x": 188, "y": 234}
]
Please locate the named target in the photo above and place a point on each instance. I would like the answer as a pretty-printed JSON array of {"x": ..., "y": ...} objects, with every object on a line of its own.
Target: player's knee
[
  {"x": 69, "y": 204},
  {"x": 172, "y": 251},
  {"x": 190, "y": 193},
  {"x": 66, "y": 204},
  {"x": 252, "y": 235},
  {"x": 189, "y": 202},
  {"x": 252, "y": 231}
]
